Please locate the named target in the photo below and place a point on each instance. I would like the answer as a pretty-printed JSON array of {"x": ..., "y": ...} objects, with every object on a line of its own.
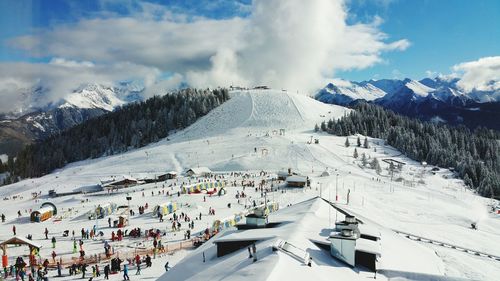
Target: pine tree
[
  {"x": 364, "y": 161},
  {"x": 347, "y": 142},
  {"x": 475, "y": 155},
  {"x": 323, "y": 126},
  {"x": 355, "y": 155},
  {"x": 376, "y": 165},
  {"x": 391, "y": 168},
  {"x": 359, "y": 142},
  {"x": 316, "y": 128},
  {"x": 365, "y": 144}
]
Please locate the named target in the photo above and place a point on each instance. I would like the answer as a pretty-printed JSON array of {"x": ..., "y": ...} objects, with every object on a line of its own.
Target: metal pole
[
  {"x": 329, "y": 209},
  {"x": 337, "y": 188}
]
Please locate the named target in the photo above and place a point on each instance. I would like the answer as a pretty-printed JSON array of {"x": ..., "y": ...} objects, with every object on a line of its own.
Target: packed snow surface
[{"x": 268, "y": 131}]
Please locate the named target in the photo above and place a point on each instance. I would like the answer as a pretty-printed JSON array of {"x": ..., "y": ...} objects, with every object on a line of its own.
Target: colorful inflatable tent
[
  {"x": 102, "y": 211},
  {"x": 198, "y": 187},
  {"x": 46, "y": 211},
  {"x": 227, "y": 222},
  {"x": 165, "y": 209}
]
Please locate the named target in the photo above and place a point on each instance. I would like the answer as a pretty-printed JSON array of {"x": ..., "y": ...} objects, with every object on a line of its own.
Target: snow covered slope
[
  {"x": 243, "y": 134},
  {"x": 264, "y": 111}
]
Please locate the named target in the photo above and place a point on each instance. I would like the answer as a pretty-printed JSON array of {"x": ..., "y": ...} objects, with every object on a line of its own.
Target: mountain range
[
  {"x": 430, "y": 99},
  {"x": 28, "y": 123}
]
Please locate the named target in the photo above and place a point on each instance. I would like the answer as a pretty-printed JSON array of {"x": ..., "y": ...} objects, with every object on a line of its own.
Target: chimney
[
  {"x": 350, "y": 219},
  {"x": 347, "y": 232}
]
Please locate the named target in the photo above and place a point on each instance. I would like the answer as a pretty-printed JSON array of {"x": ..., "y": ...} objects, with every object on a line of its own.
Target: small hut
[
  {"x": 46, "y": 211},
  {"x": 34, "y": 248},
  {"x": 199, "y": 171},
  {"x": 122, "y": 221},
  {"x": 296, "y": 181}
]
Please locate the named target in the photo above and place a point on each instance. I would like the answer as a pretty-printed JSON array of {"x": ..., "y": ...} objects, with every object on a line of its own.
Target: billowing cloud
[
  {"x": 291, "y": 44},
  {"x": 480, "y": 75}
]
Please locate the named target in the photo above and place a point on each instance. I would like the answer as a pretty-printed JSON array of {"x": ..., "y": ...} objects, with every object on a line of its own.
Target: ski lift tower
[{"x": 128, "y": 211}]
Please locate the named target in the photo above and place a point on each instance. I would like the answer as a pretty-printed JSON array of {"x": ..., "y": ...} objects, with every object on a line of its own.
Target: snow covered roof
[
  {"x": 295, "y": 178},
  {"x": 124, "y": 178},
  {"x": 20, "y": 240},
  {"x": 247, "y": 235},
  {"x": 368, "y": 246},
  {"x": 200, "y": 170},
  {"x": 299, "y": 226}
]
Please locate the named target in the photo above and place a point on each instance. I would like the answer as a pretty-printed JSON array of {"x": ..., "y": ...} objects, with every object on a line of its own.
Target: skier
[
  {"x": 46, "y": 233},
  {"x": 84, "y": 269},
  {"x": 74, "y": 246},
  {"x": 53, "y": 242},
  {"x": 3, "y": 218},
  {"x": 14, "y": 230},
  {"x": 138, "y": 271},
  {"x": 59, "y": 269},
  {"x": 125, "y": 272},
  {"x": 106, "y": 272},
  {"x": 167, "y": 267}
]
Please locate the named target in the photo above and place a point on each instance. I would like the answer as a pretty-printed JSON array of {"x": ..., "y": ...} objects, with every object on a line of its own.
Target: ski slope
[{"x": 243, "y": 134}]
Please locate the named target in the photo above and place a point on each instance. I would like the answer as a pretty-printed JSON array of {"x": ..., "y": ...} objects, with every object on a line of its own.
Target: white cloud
[
  {"x": 430, "y": 74},
  {"x": 292, "y": 44},
  {"x": 70, "y": 63},
  {"x": 480, "y": 75}
]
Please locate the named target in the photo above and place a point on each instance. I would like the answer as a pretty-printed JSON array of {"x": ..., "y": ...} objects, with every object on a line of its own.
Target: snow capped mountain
[
  {"x": 387, "y": 85},
  {"x": 343, "y": 92},
  {"x": 439, "y": 98},
  {"x": 30, "y": 123},
  {"x": 93, "y": 96},
  {"x": 418, "y": 88}
]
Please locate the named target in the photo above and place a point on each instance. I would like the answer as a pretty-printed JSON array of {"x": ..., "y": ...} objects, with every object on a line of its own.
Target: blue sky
[
  {"x": 442, "y": 34},
  {"x": 294, "y": 44}
]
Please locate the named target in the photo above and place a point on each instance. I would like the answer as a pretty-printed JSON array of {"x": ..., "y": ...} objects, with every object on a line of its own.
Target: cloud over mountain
[{"x": 285, "y": 44}]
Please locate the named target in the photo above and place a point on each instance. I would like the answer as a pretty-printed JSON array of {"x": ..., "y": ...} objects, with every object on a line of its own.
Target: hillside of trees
[
  {"x": 474, "y": 155},
  {"x": 131, "y": 126}
]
